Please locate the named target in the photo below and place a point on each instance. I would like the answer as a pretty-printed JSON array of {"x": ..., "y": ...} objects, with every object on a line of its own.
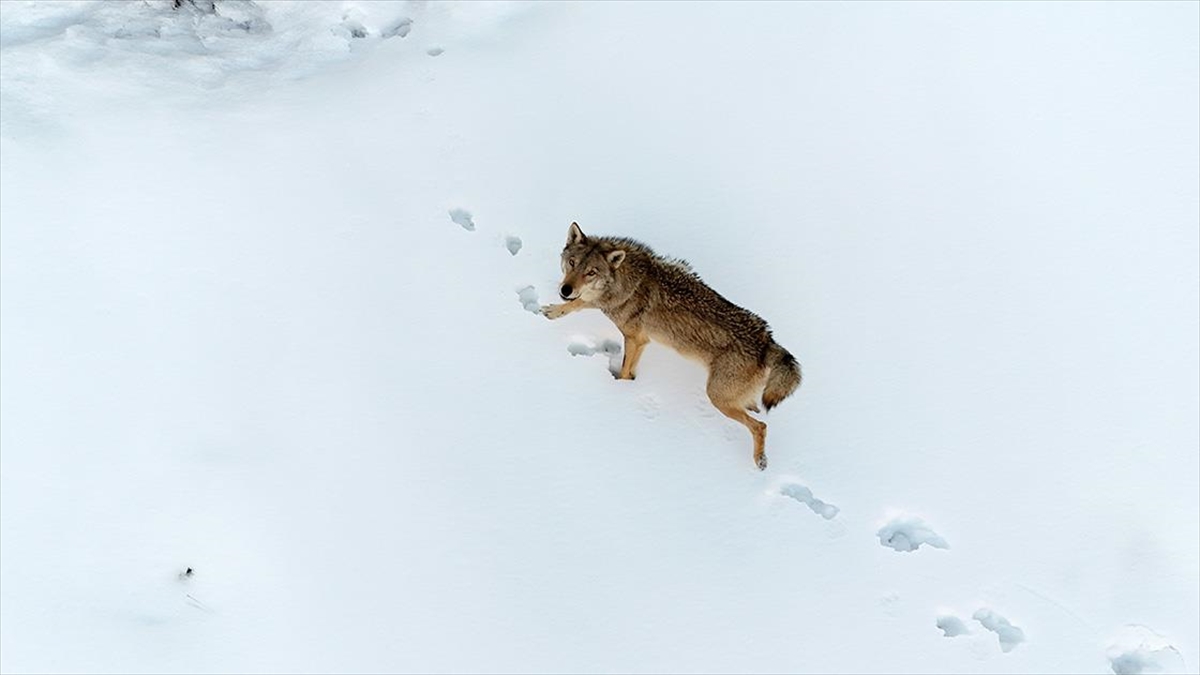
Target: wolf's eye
[
  {"x": 570, "y": 262},
  {"x": 590, "y": 274}
]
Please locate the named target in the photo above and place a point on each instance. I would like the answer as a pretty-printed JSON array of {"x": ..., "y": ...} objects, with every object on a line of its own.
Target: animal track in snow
[
  {"x": 952, "y": 626},
  {"x": 890, "y": 603},
  {"x": 1010, "y": 635},
  {"x": 906, "y": 534},
  {"x": 1138, "y": 649},
  {"x": 529, "y": 299},
  {"x": 648, "y": 405},
  {"x": 805, "y": 496},
  {"x": 582, "y": 346},
  {"x": 398, "y": 29},
  {"x": 513, "y": 244},
  {"x": 586, "y": 346},
  {"x": 354, "y": 28},
  {"x": 704, "y": 407},
  {"x": 463, "y": 217},
  {"x": 436, "y": 51}
]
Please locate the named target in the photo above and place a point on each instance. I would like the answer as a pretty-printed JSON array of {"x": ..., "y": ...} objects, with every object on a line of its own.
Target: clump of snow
[
  {"x": 140, "y": 38},
  {"x": 513, "y": 244},
  {"x": 805, "y": 496},
  {"x": 1010, "y": 635},
  {"x": 952, "y": 626},
  {"x": 1138, "y": 649},
  {"x": 906, "y": 533},
  {"x": 463, "y": 218},
  {"x": 247, "y": 46}
]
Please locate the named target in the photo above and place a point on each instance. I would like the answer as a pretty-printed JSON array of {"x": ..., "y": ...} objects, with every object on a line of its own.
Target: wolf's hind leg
[
  {"x": 758, "y": 430},
  {"x": 729, "y": 382}
]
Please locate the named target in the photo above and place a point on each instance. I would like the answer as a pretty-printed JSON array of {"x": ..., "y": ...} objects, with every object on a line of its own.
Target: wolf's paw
[
  {"x": 761, "y": 462},
  {"x": 553, "y": 312}
]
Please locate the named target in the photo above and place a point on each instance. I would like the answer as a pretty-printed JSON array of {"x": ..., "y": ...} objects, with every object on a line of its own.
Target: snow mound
[
  {"x": 191, "y": 48},
  {"x": 907, "y": 533}
]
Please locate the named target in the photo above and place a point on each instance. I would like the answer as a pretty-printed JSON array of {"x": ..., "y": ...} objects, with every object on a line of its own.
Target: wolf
[{"x": 652, "y": 297}]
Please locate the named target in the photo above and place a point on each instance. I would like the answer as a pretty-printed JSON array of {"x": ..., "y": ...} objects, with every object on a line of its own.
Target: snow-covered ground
[{"x": 265, "y": 274}]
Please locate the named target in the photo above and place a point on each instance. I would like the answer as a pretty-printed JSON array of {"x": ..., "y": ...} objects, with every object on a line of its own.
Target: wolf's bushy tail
[{"x": 784, "y": 376}]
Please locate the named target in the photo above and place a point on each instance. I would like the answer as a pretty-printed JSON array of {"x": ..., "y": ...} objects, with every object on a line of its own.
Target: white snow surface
[{"x": 241, "y": 335}]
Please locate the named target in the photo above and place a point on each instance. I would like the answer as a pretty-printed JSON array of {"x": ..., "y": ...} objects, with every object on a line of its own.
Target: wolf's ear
[
  {"x": 575, "y": 235},
  {"x": 616, "y": 258}
]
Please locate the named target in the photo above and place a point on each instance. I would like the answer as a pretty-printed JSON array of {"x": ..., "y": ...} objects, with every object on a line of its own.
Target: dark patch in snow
[
  {"x": 230, "y": 15},
  {"x": 436, "y": 51},
  {"x": 203, "y": 6},
  {"x": 513, "y": 244}
]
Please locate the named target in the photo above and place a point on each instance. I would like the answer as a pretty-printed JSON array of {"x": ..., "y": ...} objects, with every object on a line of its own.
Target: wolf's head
[{"x": 589, "y": 266}]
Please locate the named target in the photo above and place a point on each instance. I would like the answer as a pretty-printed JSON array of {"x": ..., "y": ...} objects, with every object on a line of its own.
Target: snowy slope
[{"x": 245, "y": 330}]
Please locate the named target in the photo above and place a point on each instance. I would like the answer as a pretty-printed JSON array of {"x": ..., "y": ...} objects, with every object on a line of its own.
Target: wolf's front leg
[
  {"x": 634, "y": 344},
  {"x": 557, "y": 311}
]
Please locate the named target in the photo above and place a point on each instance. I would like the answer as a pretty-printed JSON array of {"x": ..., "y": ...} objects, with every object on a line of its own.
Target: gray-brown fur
[{"x": 650, "y": 297}]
